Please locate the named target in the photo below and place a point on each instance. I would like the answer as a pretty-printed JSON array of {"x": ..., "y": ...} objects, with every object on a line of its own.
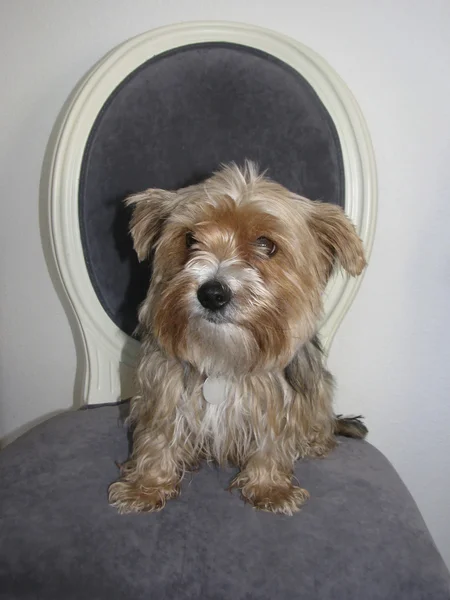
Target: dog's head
[{"x": 239, "y": 266}]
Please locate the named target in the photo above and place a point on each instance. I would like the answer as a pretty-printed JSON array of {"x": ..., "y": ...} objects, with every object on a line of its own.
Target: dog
[{"x": 231, "y": 368}]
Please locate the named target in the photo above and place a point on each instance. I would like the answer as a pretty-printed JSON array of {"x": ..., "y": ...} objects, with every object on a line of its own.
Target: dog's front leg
[
  {"x": 161, "y": 449},
  {"x": 151, "y": 476},
  {"x": 265, "y": 482}
]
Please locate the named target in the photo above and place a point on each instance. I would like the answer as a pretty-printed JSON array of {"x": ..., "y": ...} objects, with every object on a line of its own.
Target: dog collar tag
[{"x": 215, "y": 390}]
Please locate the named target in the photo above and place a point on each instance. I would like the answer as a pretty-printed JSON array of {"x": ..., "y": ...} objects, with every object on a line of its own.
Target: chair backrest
[{"x": 165, "y": 109}]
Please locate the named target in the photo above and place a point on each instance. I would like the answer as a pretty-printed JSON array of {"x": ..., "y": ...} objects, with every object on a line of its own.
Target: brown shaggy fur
[{"x": 278, "y": 406}]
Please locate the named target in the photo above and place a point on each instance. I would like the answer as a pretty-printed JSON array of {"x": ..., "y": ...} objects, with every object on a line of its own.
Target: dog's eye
[
  {"x": 190, "y": 239},
  {"x": 266, "y": 246}
]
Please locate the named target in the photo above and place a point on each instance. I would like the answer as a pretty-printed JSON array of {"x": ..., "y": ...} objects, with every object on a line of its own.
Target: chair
[{"x": 164, "y": 110}]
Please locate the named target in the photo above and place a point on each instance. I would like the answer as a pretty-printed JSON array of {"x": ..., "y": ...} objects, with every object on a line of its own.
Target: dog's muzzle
[{"x": 214, "y": 295}]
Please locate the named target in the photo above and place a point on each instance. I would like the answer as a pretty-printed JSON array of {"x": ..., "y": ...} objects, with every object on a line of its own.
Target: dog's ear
[
  {"x": 337, "y": 237},
  {"x": 149, "y": 211}
]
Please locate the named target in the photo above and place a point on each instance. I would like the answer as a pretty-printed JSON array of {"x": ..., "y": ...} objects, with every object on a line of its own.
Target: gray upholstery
[
  {"x": 360, "y": 537},
  {"x": 171, "y": 123}
]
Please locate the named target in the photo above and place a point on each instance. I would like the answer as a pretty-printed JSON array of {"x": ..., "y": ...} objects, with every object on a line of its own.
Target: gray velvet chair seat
[{"x": 359, "y": 537}]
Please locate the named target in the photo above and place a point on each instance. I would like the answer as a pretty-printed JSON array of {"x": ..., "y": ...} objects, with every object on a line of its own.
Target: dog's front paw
[
  {"x": 283, "y": 498},
  {"x": 130, "y": 496}
]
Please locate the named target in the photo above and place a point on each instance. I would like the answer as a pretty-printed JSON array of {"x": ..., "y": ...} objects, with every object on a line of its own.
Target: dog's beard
[
  {"x": 214, "y": 342},
  {"x": 220, "y": 348}
]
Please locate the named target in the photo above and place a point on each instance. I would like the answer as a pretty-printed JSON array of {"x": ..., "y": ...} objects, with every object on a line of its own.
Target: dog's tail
[{"x": 352, "y": 427}]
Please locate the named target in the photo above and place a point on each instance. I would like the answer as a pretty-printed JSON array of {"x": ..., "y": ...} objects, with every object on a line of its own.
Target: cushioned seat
[{"x": 359, "y": 537}]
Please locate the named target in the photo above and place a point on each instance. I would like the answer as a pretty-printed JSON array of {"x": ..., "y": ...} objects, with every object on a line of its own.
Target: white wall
[{"x": 391, "y": 356}]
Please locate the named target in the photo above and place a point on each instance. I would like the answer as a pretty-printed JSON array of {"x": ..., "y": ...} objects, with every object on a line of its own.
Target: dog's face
[{"x": 239, "y": 267}]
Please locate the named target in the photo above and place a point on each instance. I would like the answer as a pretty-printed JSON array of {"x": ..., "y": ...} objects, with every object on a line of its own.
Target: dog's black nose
[{"x": 213, "y": 295}]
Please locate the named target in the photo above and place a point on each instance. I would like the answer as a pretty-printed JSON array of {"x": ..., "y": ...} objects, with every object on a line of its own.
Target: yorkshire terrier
[{"x": 231, "y": 369}]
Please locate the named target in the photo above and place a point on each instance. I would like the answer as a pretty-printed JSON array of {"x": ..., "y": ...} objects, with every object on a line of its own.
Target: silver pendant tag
[{"x": 215, "y": 390}]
